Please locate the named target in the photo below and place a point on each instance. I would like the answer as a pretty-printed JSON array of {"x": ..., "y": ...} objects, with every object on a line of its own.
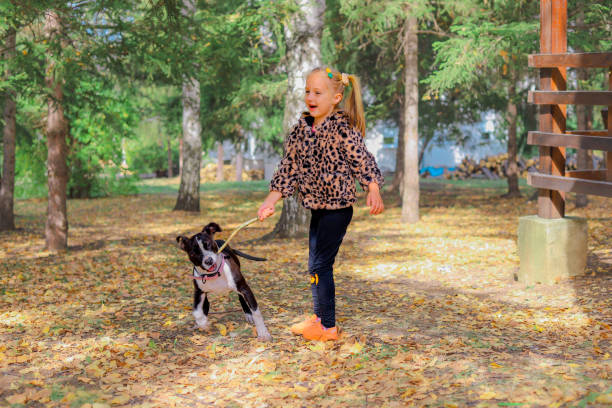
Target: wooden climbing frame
[{"x": 553, "y": 97}]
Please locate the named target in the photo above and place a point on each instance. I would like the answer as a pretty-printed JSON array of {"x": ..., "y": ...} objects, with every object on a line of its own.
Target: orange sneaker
[
  {"x": 299, "y": 328},
  {"x": 320, "y": 333}
]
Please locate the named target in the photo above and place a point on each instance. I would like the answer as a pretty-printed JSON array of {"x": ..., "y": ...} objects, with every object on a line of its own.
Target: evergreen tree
[
  {"x": 489, "y": 45},
  {"x": 390, "y": 28}
]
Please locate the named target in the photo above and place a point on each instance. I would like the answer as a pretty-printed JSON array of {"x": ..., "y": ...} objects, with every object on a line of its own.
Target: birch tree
[
  {"x": 410, "y": 183},
  {"x": 303, "y": 53},
  {"x": 189, "y": 190}
]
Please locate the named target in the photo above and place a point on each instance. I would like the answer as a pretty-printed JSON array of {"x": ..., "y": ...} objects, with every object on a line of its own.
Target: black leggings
[{"x": 327, "y": 229}]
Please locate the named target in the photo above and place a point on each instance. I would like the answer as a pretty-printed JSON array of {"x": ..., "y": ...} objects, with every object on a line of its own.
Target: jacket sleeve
[
  {"x": 286, "y": 175},
  {"x": 360, "y": 160}
]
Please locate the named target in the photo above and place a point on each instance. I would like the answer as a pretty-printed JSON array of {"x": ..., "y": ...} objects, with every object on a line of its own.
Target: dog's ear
[
  {"x": 183, "y": 242},
  {"x": 211, "y": 228}
]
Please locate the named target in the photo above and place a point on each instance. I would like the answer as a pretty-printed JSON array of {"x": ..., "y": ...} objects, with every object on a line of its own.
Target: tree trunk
[
  {"x": 220, "y": 161},
  {"x": 398, "y": 177},
  {"x": 56, "y": 229},
  {"x": 189, "y": 191},
  {"x": 180, "y": 156},
  {"x": 512, "y": 171},
  {"x": 239, "y": 162},
  {"x": 410, "y": 184},
  {"x": 584, "y": 161},
  {"x": 583, "y": 158},
  {"x": 7, "y": 179},
  {"x": 170, "y": 175},
  {"x": 303, "y": 37}
]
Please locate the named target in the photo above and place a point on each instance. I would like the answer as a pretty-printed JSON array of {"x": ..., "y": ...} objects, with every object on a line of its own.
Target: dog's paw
[
  {"x": 249, "y": 318},
  {"x": 264, "y": 337},
  {"x": 201, "y": 324}
]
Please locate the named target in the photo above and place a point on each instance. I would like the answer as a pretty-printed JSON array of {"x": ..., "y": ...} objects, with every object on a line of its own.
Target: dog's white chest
[{"x": 220, "y": 284}]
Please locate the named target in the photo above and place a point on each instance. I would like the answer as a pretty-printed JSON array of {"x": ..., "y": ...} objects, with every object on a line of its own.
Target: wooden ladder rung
[
  {"x": 570, "y": 140},
  {"x": 569, "y": 60},
  {"x": 570, "y": 97},
  {"x": 599, "y": 175},
  {"x": 602, "y": 132},
  {"x": 570, "y": 184}
]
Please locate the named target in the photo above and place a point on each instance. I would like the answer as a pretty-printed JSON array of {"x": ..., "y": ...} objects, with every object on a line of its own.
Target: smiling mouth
[{"x": 311, "y": 107}]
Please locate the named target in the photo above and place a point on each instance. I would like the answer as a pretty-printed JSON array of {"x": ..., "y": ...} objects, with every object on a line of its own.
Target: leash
[{"x": 241, "y": 226}]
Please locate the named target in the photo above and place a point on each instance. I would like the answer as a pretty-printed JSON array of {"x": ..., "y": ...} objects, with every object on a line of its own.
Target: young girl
[{"x": 324, "y": 153}]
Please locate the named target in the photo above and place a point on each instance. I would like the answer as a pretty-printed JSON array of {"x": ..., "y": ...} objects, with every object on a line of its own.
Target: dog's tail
[{"x": 240, "y": 253}]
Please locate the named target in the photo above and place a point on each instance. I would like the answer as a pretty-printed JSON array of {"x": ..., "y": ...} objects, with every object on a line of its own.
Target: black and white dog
[{"x": 219, "y": 273}]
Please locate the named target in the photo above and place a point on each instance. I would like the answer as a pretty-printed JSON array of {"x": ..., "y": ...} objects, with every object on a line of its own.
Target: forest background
[{"x": 117, "y": 70}]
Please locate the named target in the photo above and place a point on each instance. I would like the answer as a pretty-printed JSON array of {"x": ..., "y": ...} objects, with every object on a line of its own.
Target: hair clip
[
  {"x": 329, "y": 73},
  {"x": 345, "y": 80}
]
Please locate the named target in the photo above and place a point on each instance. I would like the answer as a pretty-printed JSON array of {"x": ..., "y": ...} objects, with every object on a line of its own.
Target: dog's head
[{"x": 201, "y": 248}]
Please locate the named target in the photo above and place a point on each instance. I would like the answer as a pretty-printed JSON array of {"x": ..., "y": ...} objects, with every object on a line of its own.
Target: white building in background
[
  {"x": 256, "y": 156},
  {"x": 381, "y": 140}
]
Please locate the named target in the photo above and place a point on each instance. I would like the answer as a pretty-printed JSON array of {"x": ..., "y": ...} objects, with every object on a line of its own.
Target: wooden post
[{"x": 553, "y": 40}]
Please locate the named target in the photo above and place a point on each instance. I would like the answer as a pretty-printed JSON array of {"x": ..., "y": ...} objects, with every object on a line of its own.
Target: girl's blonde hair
[{"x": 353, "y": 105}]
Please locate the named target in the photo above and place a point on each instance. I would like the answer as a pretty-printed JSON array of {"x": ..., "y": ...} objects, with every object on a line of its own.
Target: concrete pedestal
[{"x": 551, "y": 249}]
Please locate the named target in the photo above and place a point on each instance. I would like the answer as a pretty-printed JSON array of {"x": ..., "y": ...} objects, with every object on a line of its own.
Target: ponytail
[{"x": 353, "y": 105}]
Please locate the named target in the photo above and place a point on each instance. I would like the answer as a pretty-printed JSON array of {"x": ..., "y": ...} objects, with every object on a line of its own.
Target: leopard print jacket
[{"x": 323, "y": 165}]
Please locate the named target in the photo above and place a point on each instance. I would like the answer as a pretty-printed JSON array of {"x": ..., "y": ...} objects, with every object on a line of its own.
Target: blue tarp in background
[{"x": 435, "y": 171}]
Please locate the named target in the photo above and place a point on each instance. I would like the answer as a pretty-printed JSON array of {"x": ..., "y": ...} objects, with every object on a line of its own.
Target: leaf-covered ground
[{"x": 431, "y": 314}]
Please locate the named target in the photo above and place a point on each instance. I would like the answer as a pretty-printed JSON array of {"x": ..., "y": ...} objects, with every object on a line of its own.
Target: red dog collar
[{"x": 209, "y": 276}]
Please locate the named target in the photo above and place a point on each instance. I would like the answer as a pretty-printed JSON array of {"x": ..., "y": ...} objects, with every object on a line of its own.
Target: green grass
[
  {"x": 501, "y": 184},
  {"x": 171, "y": 186}
]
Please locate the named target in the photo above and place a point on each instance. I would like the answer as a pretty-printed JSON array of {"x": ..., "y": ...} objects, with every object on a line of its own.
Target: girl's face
[{"x": 319, "y": 97}]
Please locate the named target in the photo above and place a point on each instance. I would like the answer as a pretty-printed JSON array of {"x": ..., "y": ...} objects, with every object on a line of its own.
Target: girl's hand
[
  {"x": 374, "y": 200},
  {"x": 267, "y": 208},
  {"x": 265, "y": 211}
]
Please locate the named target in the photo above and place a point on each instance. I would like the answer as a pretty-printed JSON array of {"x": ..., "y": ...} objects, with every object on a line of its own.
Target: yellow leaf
[
  {"x": 356, "y": 348},
  {"x": 22, "y": 359},
  {"x": 112, "y": 378},
  {"x": 46, "y": 330},
  {"x": 604, "y": 399},
  {"x": 408, "y": 393},
  {"x": 120, "y": 400},
  {"x": 495, "y": 365},
  {"x": 222, "y": 328},
  {"x": 17, "y": 399},
  {"x": 319, "y": 388},
  {"x": 300, "y": 388},
  {"x": 318, "y": 346},
  {"x": 69, "y": 397},
  {"x": 42, "y": 396},
  {"x": 488, "y": 395},
  {"x": 168, "y": 322},
  {"x": 94, "y": 371}
]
